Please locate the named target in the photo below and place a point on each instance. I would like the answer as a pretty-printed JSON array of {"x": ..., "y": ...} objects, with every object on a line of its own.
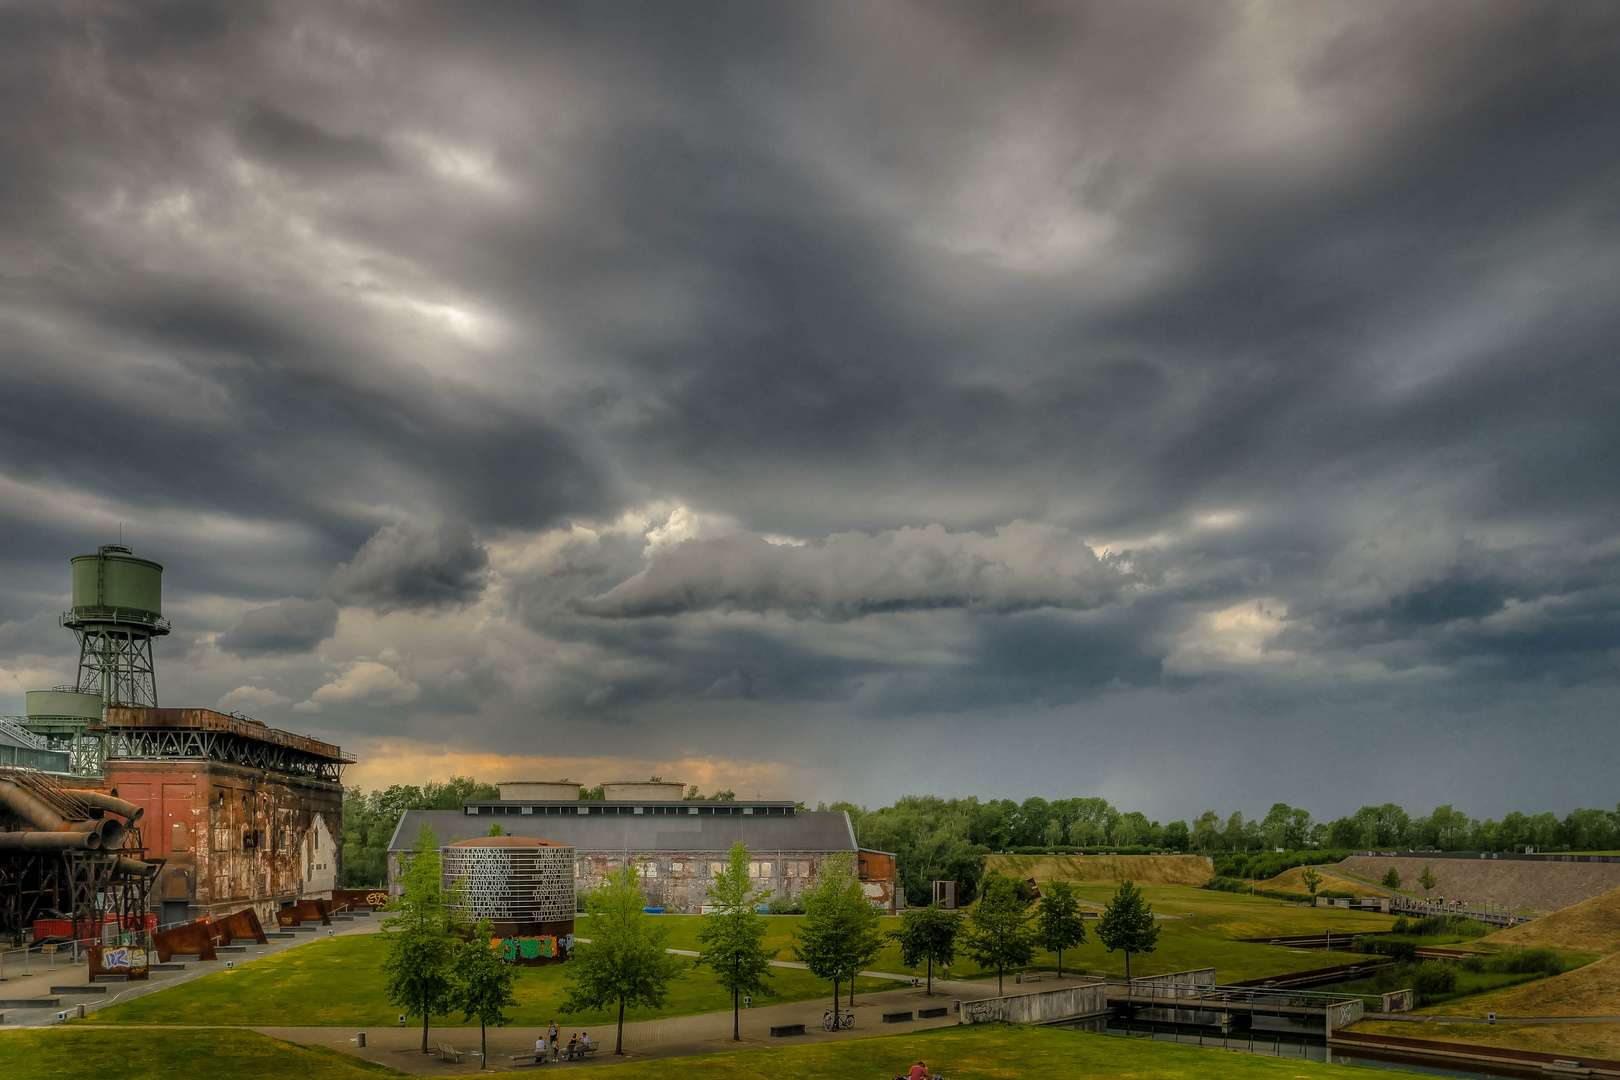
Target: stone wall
[
  {"x": 1511, "y": 884},
  {"x": 1048, "y": 1006}
]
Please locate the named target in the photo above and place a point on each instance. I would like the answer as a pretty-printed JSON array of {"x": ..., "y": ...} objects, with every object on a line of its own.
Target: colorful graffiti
[
  {"x": 532, "y": 948},
  {"x": 123, "y": 957}
]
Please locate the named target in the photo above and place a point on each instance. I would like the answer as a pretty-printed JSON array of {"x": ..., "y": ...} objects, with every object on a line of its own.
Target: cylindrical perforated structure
[{"x": 516, "y": 882}]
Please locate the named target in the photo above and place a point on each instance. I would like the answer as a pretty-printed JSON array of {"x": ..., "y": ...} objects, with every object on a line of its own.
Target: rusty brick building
[
  {"x": 677, "y": 846},
  {"x": 242, "y": 814}
]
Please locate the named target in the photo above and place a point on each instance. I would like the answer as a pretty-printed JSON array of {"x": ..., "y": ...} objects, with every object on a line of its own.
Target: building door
[
  {"x": 174, "y": 911},
  {"x": 176, "y": 826}
]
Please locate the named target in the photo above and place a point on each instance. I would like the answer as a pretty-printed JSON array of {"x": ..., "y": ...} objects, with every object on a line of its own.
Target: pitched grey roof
[{"x": 827, "y": 830}]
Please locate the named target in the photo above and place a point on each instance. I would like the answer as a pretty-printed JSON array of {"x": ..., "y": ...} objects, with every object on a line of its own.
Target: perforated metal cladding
[{"x": 513, "y": 883}]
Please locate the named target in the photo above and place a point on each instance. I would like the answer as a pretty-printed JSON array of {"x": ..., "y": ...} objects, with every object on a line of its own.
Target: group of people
[{"x": 578, "y": 1043}]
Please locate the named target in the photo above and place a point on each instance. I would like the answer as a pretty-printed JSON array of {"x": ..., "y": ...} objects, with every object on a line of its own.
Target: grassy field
[
  {"x": 1293, "y": 880},
  {"x": 993, "y": 1053},
  {"x": 1583, "y": 1040},
  {"x": 1202, "y": 935},
  {"x": 1191, "y": 870},
  {"x": 80, "y": 1053},
  {"x": 338, "y": 982},
  {"x": 1590, "y": 926},
  {"x": 979, "y": 1053}
]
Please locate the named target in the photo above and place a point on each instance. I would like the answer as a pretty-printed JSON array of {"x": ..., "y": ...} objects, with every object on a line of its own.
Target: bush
[
  {"x": 1400, "y": 950},
  {"x": 1460, "y": 926},
  {"x": 1434, "y": 979},
  {"x": 1260, "y": 865},
  {"x": 781, "y": 905},
  {"x": 1522, "y": 962},
  {"x": 1226, "y": 884},
  {"x": 1403, "y": 925},
  {"x": 1392, "y": 880}
]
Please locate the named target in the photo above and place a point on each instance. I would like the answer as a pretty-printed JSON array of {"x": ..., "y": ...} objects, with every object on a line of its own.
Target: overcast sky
[{"x": 1197, "y": 405}]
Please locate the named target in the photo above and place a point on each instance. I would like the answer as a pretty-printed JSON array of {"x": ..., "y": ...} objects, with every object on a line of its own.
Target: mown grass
[
  {"x": 991, "y": 1053},
  {"x": 1204, "y": 934},
  {"x": 339, "y": 982},
  {"x": 1566, "y": 1040},
  {"x": 83, "y": 1053}
]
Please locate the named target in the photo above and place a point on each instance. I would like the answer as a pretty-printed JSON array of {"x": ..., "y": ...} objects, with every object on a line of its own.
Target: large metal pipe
[
  {"x": 47, "y": 840},
  {"x": 135, "y": 867},
  {"x": 111, "y": 831},
  {"x": 26, "y": 806},
  {"x": 127, "y": 810}
]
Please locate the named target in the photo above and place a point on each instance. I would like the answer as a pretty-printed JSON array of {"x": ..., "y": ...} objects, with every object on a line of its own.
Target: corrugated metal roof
[{"x": 827, "y": 830}]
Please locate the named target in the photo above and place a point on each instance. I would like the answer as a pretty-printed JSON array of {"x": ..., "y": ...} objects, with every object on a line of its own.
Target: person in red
[{"x": 919, "y": 1071}]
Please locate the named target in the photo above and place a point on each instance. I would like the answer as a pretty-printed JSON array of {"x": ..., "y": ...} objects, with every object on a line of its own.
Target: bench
[
  {"x": 578, "y": 1053},
  {"x": 898, "y": 1017},
  {"x": 784, "y": 1030},
  {"x": 450, "y": 1053},
  {"x": 930, "y": 1014},
  {"x": 528, "y": 1058}
]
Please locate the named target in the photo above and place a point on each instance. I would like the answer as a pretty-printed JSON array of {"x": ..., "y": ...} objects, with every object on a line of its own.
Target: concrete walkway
[
  {"x": 679, "y": 1036},
  {"x": 37, "y": 984}
]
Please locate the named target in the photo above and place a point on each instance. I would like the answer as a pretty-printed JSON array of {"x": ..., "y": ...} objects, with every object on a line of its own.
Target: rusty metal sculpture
[{"x": 305, "y": 910}]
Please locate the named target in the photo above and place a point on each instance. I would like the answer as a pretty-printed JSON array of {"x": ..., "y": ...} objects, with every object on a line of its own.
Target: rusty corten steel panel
[
  {"x": 304, "y": 910},
  {"x": 190, "y": 939},
  {"x": 232, "y": 836},
  {"x": 208, "y": 720}
]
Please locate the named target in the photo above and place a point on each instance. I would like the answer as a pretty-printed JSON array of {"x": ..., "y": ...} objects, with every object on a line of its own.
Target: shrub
[
  {"x": 1403, "y": 925},
  {"x": 1226, "y": 884},
  {"x": 1434, "y": 979},
  {"x": 1259, "y": 865},
  {"x": 781, "y": 905},
  {"x": 1392, "y": 880},
  {"x": 1525, "y": 962},
  {"x": 1400, "y": 950},
  {"x": 1460, "y": 926}
]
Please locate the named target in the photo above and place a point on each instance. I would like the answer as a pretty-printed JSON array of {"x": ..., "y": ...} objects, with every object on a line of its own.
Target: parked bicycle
[{"x": 845, "y": 1021}]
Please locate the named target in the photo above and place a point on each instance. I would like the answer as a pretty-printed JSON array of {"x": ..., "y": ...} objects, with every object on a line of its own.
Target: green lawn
[
  {"x": 979, "y": 1053},
  {"x": 78, "y": 1053},
  {"x": 338, "y": 982},
  {"x": 995, "y": 1052},
  {"x": 1207, "y": 939}
]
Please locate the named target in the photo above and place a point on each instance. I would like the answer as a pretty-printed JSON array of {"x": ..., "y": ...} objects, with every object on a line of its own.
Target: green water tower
[
  {"x": 117, "y": 611},
  {"x": 63, "y": 716}
]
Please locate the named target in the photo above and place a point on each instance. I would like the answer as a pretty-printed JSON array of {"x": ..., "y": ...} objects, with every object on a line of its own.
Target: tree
[
  {"x": 999, "y": 933},
  {"x": 422, "y": 941},
  {"x": 1206, "y": 831},
  {"x": 1058, "y": 924},
  {"x": 1427, "y": 880},
  {"x": 496, "y": 830},
  {"x": 1054, "y": 833},
  {"x": 1313, "y": 880},
  {"x": 733, "y": 935},
  {"x": 1127, "y": 924},
  {"x": 928, "y": 936},
  {"x": 1392, "y": 880},
  {"x": 483, "y": 984},
  {"x": 624, "y": 963},
  {"x": 841, "y": 931},
  {"x": 1176, "y": 836}
]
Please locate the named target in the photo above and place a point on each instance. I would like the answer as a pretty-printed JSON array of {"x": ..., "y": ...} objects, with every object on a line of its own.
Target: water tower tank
[{"x": 113, "y": 586}]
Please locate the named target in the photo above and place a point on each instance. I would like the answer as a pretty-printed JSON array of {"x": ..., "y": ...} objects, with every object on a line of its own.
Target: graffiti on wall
[{"x": 518, "y": 949}]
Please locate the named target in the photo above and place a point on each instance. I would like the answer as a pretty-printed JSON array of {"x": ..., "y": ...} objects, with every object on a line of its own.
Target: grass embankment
[
  {"x": 987, "y": 1052},
  {"x": 1564, "y": 1040},
  {"x": 978, "y": 1053},
  {"x": 1589, "y": 926},
  {"x": 80, "y": 1053},
  {"x": 1142, "y": 869},
  {"x": 1293, "y": 880},
  {"x": 339, "y": 982}
]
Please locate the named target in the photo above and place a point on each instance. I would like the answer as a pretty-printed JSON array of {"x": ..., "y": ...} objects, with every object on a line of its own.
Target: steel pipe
[{"x": 127, "y": 810}]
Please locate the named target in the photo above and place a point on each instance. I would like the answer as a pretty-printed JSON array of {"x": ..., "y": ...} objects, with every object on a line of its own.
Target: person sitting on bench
[
  {"x": 573, "y": 1046},
  {"x": 585, "y": 1041},
  {"x": 540, "y": 1049}
]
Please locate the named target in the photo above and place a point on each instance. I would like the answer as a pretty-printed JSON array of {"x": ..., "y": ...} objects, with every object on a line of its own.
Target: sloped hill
[
  {"x": 1191, "y": 870},
  {"x": 1293, "y": 880},
  {"x": 1507, "y": 883},
  {"x": 1593, "y": 990},
  {"x": 1591, "y": 926}
]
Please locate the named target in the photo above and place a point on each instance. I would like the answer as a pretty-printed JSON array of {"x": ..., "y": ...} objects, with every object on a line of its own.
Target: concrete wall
[
  {"x": 1506, "y": 883},
  {"x": 1046, "y": 1007}
]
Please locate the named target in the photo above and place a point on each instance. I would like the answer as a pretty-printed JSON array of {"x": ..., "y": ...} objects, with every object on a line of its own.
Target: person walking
[{"x": 553, "y": 1037}]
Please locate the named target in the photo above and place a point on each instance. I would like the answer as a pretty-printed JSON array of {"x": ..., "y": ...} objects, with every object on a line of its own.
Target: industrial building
[
  {"x": 224, "y": 812},
  {"x": 677, "y": 845}
]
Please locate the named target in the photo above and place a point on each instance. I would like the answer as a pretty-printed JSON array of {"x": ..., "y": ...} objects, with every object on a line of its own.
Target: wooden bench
[
  {"x": 578, "y": 1053},
  {"x": 449, "y": 1053}
]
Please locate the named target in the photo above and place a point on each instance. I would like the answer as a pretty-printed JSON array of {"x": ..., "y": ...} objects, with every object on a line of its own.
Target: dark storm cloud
[
  {"x": 1093, "y": 352},
  {"x": 291, "y": 626},
  {"x": 406, "y": 566}
]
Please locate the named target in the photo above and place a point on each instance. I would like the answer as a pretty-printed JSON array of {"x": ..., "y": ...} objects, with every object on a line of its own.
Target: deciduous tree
[
  {"x": 1058, "y": 924},
  {"x": 421, "y": 937},
  {"x": 1312, "y": 879},
  {"x": 928, "y": 936},
  {"x": 733, "y": 935},
  {"x": 1127, "y": 924},
  {"x": 999, "y": 933},
  {"x": 1427, "y": 880},
  {"x": 483, "y": 984},
  {"x": 624, "y": 963}
]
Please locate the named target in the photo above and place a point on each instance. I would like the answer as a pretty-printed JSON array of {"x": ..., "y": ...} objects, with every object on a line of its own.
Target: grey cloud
[
  {"x": 290, "y": 626},
  {"x": 407, "y": 566},
  {"x": 852, "y": 574}
]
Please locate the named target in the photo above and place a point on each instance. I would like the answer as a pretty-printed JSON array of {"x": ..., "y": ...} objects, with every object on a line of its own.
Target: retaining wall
[{"x": 1046, "y": 1007}]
